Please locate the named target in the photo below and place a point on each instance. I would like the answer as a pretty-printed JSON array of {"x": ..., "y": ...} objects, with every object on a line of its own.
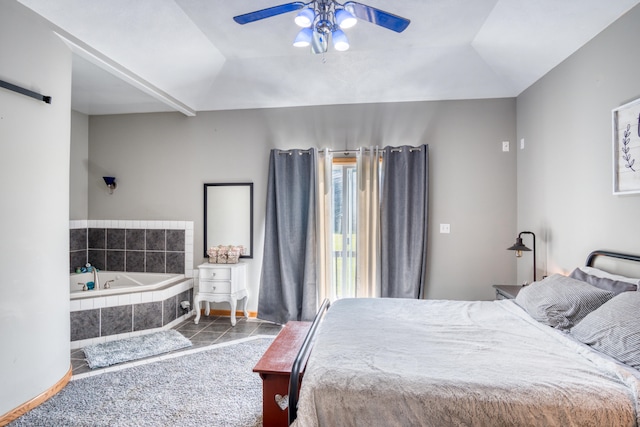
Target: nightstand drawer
[
  {"x": 215, "y": 287},
  {"x": 215, "y": 273}
]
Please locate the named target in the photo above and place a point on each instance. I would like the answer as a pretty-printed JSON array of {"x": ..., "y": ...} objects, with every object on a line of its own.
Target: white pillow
[{"x": 606, "y": 275}]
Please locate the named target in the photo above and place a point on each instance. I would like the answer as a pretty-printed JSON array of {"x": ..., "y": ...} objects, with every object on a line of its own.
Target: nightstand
[
  {"x": 507, "y": 291},
  {"x": 222, "y": 283}
]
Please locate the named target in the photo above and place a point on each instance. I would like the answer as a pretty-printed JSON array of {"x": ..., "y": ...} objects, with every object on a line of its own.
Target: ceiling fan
[{"x": 320, "y": 19}]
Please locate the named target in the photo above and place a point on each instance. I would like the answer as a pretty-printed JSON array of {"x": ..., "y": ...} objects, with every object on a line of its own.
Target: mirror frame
[{"x": 230, "y": 184}]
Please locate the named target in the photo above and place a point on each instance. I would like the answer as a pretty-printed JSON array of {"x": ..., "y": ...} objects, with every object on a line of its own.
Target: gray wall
[
  {"x": 565, "y": 171},
  {"x": 34, "y": 171},
  {"x": 79, "y": 167},
  {"x": 161, "y": 161}
]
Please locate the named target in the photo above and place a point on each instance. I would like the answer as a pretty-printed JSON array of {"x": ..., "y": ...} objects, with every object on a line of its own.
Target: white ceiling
[{"x": 189, "y": 55}]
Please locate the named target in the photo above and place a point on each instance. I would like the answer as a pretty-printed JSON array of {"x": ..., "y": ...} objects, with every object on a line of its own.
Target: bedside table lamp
[{"x": 519, "y": 247}]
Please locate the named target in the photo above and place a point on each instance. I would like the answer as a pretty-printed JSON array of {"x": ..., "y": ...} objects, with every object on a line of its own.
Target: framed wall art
[{"x": 626, "y": 148}]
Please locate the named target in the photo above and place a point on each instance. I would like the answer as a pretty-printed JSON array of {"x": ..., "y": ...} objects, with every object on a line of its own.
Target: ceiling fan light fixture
[
  {"x": 305, "y": 18},
  {"x": 340, "y": 41},
  {"x": 303, "y": 39},
  {"x": 344, "y": 19},
  {"x": 326, "y": 19},
  {"x": 319, "y": 43}
]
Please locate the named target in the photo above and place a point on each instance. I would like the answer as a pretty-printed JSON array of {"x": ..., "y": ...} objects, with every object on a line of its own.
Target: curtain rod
[
  {"x": 26, "y": 92},
  {"x": 301, "y": 152},
  {"x": 355, "y": 151}
]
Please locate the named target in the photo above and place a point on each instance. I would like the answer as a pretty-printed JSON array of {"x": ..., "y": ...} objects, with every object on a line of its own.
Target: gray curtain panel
[
  {"x": 403, "y": 221},
  {"x": 288, "y": 283}
]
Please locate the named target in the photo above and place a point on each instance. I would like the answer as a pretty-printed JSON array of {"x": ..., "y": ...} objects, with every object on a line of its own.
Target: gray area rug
[
  {"x": 125, "y": 350},
  {"x": 216, "y": 387}
]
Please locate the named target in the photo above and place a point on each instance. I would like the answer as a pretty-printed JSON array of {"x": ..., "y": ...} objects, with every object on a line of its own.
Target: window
[{"x": 344, "y": 222}]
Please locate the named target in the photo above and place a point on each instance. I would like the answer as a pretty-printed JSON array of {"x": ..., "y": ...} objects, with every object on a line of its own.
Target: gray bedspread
[{"x": 398, "y": 362}]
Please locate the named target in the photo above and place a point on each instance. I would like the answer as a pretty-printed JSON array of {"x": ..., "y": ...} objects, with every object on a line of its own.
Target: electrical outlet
[
  {"x": 505, "y": 145},
  {"x": 445, "y": 228},
  {"x": 522, "y": 143}
]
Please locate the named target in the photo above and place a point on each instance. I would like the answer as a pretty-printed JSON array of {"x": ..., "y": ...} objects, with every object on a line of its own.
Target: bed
[{"x": 564, "y": 352}]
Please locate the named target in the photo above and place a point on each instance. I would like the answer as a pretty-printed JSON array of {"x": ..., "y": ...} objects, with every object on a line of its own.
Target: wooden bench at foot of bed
[{"x": 275, "y": 369}]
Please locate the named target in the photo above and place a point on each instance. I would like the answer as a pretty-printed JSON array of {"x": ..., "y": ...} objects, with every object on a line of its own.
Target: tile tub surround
[
  {"x": 136, "y": 246},
  {"x": 107, "y": 318}
]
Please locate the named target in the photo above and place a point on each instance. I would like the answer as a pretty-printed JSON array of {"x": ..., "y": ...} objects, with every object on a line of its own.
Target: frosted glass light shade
[
  {"x": 305, "y": 18},
  {"x": 345, "y": 19},
  {"x": 303, "y": 39},
  {"x": 340, "y": 42}
]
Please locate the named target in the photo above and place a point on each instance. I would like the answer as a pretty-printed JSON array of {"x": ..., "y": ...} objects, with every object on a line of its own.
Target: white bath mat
[{"x": 125, "y": 350}]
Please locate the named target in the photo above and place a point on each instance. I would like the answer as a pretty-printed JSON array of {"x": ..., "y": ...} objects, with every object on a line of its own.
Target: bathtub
[
  {"x": 120, "y": 282},
  {"x": 135, "y": 304}
]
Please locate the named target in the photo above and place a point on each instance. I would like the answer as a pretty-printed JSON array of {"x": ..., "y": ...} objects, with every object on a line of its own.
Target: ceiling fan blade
[
  {"x": 268, "y": 12},
  {"x": 377, "y": 16}
]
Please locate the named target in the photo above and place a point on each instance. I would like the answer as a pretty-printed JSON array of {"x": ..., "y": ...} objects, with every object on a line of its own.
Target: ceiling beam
[{"x": 92, "y": 55}]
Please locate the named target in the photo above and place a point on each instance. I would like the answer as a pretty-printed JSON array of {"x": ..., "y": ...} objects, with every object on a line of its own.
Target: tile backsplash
[{"x": 140, "y": 246}]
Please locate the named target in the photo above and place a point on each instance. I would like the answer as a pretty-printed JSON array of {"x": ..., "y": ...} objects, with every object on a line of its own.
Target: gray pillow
[
  {"x": 560, "y": 301},
  {"x": 614, "y": 329},
  {"x": 615, "y": 286}
]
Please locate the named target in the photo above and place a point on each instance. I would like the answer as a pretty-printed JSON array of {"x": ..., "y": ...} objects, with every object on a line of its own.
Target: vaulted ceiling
[{"x": 190, "y": 56}]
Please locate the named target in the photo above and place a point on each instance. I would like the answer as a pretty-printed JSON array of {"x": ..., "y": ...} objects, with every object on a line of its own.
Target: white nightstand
[
  {"x": 507, "y": 291},
  {"x": 222, "y": 283}
]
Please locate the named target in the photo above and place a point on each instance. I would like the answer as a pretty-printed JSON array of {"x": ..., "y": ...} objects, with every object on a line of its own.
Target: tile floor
[{"x": 210, "y": 330}]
